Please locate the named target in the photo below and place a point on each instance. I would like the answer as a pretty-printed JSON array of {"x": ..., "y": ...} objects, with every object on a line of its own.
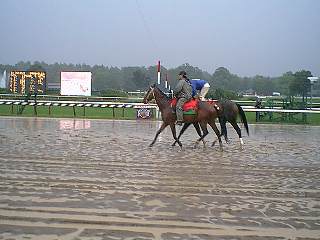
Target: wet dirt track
[{"x": 97, "y": 179}]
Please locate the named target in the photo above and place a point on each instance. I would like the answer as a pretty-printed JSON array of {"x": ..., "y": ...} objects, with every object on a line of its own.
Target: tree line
[{"x": 222, "y": 81}]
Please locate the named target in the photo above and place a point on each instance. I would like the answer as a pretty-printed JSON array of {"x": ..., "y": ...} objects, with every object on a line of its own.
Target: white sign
[
  {"x": 3, "y": 80},
  {"x": 76, "y": 83}
]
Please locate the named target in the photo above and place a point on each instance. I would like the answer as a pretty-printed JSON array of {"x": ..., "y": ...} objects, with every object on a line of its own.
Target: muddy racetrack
[{"x": 97, "y": 179}]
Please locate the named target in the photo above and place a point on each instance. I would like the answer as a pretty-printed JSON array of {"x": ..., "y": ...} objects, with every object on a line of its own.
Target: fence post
[{"x": 35, "y": 104}]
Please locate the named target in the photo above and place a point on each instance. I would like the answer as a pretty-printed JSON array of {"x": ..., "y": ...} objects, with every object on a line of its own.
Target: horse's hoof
[
  {"x": 180, "y": 149},
  {"x": 151, "y": 145},
  {"x": 214, "y": 143}
]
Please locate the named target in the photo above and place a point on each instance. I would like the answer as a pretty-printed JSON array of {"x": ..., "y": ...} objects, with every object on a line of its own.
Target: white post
[
  {"x": 166, "y": 82},
  {"x": 157, "y": 113},
  {"x": 159, "y": 73}
]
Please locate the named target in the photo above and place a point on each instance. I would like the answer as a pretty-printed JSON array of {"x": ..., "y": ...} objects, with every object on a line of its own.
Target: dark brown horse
[
  {"x": 206, "y": 114},
  {"x": 229, "y": 112}
]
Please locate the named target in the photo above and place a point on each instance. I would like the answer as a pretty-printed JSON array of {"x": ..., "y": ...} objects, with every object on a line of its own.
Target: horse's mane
[{"x": 163, "y": 94}]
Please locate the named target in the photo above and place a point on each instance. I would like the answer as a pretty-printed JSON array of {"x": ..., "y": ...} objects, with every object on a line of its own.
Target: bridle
[{"x": 151, "y": 91}]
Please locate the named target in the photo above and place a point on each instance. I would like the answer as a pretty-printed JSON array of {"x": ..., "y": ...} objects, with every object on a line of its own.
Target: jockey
[
  {"x": 183, "y": 93},
  {"x": 201, "y": 86}
]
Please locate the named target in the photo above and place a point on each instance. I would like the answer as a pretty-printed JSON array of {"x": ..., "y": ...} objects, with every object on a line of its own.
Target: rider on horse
[
  {"x": 201, "y": 86},
  {"x": 183, "y": 93}
]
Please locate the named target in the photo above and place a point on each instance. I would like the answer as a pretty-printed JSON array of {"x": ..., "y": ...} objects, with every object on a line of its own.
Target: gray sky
[{"x": 249, "y": 37}]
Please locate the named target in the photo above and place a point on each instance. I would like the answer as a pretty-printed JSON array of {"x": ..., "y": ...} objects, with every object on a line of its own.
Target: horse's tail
[{"x": 243, "y": 118}]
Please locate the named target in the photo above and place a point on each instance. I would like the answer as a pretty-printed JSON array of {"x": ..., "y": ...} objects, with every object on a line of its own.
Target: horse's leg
[
  {"x": 163, "y": 126},
  {"x": 238, "y": 130},
  {"x": 224, "y": 131},
  {"x": 216, "y": 130},
  {"x": 184, "y": 128},
  {"x": 197, "y": 127},
  {"x": 223, "y": 122},
  {"x": 173, "y": 130},
  {"x": 205, "y": 132}
]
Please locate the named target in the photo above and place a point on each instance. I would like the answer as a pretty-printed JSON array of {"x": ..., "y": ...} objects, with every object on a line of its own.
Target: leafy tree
[
  {"x": 3, "y": 90},
  {"x": 222, "y": 78},
  {"x": 220, "y": 93},
  {"x": 36, "y": 67},
  {"x": 282, "y": 83},
  {"x": 263, "y": 85},
  {"x": 140, "y": 79},
  {"x": 300, "y": 84},
  {"x": 133, "y": 78}
]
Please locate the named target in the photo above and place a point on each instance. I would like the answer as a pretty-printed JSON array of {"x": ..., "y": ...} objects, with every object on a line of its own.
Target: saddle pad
[
  {"x": 190, "y": 112},
  {"x": 190, "y": 105}
]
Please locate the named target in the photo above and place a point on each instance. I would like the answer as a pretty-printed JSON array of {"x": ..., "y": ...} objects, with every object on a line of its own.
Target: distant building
[
  {"x": 315, "y": 86},
  {"x": 249, "y": 92}
]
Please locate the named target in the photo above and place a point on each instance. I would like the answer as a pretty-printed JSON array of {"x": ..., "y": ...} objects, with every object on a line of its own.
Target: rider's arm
[{"x": 178, "y": 88}]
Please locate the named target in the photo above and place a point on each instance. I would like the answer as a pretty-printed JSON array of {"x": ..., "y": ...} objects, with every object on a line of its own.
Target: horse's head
[{"x": 149, "y": 95}]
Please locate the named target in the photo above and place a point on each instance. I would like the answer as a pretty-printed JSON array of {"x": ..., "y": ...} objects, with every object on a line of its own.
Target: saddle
[{"x": 189, "y": 107}]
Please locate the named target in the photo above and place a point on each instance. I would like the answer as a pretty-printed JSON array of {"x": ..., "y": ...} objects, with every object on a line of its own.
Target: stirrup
[{"x": 179, "y": 123}]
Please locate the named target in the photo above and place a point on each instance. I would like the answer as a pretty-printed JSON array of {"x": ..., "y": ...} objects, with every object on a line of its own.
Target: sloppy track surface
[{"x": 98, "y": 179}]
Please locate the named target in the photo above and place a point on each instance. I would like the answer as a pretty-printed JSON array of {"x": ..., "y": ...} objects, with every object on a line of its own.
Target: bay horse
[
  {"x": 206, "y": 114},
  {"x": 228, "y": 112}
]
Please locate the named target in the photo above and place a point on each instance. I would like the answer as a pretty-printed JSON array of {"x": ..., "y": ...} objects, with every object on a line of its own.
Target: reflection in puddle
[{"x": 74, "y": 124}]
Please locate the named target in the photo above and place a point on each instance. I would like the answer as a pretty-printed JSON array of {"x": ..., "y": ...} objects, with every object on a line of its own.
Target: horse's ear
[{"x": 153, "y": 85}]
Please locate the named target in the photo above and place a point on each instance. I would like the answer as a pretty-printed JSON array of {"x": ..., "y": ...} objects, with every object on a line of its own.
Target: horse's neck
[{"x": 162, "y": 101}]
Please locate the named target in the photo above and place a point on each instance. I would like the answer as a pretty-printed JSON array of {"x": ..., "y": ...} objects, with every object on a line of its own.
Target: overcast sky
[{"x": 249, "y": 37}]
